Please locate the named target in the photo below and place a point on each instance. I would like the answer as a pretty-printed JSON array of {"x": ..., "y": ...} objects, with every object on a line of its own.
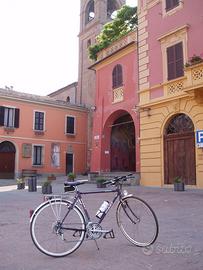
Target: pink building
[
  {"x": 171, "y": 91},
  {"x": 41, "y": 133},
  {"x": 115, "y": 144}
]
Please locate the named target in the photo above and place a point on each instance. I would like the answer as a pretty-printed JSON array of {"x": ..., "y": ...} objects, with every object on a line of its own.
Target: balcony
[
  {"x": 189, "y": 84},
  {"x": 194, "y": 76},
  {"x": 118, "y": 95},
  {"x": 117, "y": 45}
]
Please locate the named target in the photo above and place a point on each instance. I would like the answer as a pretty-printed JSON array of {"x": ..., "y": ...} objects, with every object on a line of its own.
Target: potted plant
[
  {"x": 100, "y": 182},
  {"x": 71, "y": 176},
  {"x": 178, "y": 184},
  {"x": 46, "y": 187},
  {"x": 195, "y": 59},
  {"x": 20, "y": 183}
]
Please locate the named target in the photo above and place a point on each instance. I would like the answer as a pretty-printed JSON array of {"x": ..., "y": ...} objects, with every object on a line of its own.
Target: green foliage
[
  {"x": 20, "y": 180},
  {"x": 71, "y": 176},
  {"x": 195, "y": 59},
  {"x": 46, "y": 183},
  {"x": 124, "y": 22},
  {"x": 177, "y": 179},
  {"x": 100, "y": 180}
]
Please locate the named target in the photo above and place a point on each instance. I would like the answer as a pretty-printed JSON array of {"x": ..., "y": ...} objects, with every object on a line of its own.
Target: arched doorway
[
  {"x": 179, "y": 150},
  {"x": 7, "y": 160},
  {"x": 123, "y": 144}
]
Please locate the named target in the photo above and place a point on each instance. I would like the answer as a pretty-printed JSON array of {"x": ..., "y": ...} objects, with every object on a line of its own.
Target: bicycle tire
[
  {"x": 140, "y": 228},
  {"x": 49, "y": 237}
]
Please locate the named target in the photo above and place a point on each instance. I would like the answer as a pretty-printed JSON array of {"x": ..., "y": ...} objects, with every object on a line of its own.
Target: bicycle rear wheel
[
  {"x": 53, "y": 237},
  {"x": 137, "y": 221}
]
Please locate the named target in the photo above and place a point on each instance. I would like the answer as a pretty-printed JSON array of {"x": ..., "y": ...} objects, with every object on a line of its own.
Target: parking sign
[{"x": 199, "y": 138}]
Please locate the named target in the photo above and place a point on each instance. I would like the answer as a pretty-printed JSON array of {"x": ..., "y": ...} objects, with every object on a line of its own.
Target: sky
[{"x": 39, "y": 44}]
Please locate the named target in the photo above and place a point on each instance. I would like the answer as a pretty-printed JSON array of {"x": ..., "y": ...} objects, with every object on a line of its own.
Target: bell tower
[{"x": 93, "y": 15}]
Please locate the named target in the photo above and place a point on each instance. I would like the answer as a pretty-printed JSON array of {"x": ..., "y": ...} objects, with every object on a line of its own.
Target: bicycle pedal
[{"x": 109, "y": 235}]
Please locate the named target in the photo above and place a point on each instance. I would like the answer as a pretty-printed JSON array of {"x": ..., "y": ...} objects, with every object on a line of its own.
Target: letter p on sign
[{"x": 199, "y": 138}]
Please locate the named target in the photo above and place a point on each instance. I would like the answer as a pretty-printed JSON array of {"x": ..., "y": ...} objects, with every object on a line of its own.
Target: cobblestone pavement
[{"x": 179, "y": 244}]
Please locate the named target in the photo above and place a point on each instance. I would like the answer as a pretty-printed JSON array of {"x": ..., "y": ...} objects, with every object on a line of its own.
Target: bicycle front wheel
[
  {"x": 137, "y": 221},
  {"x": 53, "y": 236}
]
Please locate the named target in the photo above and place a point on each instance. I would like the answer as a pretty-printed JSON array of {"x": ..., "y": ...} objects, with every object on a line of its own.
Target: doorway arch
[
  {"x": 7, "y": 158},
  {"x": 122, "y": 144},
  {"x": 179, "y": 150}
]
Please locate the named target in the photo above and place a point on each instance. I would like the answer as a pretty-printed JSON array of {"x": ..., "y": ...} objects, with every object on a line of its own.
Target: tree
[{"x": 124, "y": 22}]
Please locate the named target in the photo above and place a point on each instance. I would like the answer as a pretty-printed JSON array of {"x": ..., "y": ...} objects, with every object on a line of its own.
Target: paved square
[{"x": 179, "y": 244}]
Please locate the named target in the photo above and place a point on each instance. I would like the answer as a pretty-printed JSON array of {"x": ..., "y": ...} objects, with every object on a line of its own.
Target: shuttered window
[
  {"x": 170, "y": 4},
  {"x": 117, "y": 76},
  {"x": 70, "y": 125},
  {"x": 9, "y": 117},
  {"x": 39, "y": 121},
  {"x": 175, "y": 61}
]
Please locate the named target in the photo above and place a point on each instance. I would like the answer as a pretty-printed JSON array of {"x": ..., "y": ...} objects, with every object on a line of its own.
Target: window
[
  {"x": 9, "y": 117},
  {"x": 175, "y": 61},
  {"x": 112, "y": 6},
  {"x": 89, "y": 12},
  {"x": 170, "y": 4},
  {"x": 117, "y": 76},
  {"x": 39, "y": 121},
  {"x": 38, "y": 155},
  {"x": 88, "y": 43},
  {"x": 70, "y": 125}
]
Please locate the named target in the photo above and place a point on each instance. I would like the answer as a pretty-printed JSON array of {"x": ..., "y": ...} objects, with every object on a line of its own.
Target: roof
[
  {"x": 74, "y": 84},
  {"x": 16, "y": 95}
]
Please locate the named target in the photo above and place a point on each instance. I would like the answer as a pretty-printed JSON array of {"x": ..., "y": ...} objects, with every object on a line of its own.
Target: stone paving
[{"x": 179, "y": 244}]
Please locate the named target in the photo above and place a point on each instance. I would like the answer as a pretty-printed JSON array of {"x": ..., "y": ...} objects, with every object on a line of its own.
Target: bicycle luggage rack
[{"x": 51, "y": 197}]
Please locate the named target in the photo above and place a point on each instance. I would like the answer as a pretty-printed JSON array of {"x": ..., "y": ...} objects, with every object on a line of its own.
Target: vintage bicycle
[{"x": 58, "y": 226}]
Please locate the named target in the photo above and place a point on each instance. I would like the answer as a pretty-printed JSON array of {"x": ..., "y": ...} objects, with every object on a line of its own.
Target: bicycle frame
[{"x": 78, "y": 197}]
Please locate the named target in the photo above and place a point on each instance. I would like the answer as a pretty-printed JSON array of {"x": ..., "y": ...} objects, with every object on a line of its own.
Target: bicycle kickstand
[{"x": 96, "y": 244}]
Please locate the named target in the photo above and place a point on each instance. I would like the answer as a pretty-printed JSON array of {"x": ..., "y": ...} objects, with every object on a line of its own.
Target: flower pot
[
  {"x": 179, "y": 186},
  {"x": 20, "y": 185},
  {"x": 47, "y": 189},
  {"x": 101, "y": 185}
]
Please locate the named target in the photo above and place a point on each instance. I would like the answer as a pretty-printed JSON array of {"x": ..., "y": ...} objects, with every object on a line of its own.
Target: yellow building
[{"x": 171, "y": 92}]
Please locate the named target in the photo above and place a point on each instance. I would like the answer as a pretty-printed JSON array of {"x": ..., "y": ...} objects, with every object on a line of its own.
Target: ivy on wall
[{"x": 124, "y": 22}]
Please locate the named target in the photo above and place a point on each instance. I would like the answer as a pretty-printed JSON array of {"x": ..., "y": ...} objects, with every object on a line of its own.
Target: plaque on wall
[{"x": 27, "y": 150}]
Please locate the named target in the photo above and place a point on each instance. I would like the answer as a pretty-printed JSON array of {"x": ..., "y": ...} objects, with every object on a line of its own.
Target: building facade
[
  {"x": 115, "y": 145},
  {"x": 41, "y": 133},
  {"x": 170, "y": 90}
]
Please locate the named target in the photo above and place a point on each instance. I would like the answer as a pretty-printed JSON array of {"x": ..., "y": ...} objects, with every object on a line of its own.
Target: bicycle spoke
[
  {"x": 137, "y": 221},
  {"x": 53, "y": 238}
]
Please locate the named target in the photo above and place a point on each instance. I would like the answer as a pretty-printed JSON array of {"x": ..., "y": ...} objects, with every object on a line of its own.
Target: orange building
[{"x": 41, "y": 133}]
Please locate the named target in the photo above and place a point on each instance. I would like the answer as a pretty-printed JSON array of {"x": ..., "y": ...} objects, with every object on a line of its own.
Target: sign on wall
[
  {"x": 27, "y": 150},
  {"x": 199, "y": 138}
]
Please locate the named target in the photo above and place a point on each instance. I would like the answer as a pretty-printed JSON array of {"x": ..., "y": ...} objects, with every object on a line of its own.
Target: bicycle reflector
[{"x": 68, "y": 188}]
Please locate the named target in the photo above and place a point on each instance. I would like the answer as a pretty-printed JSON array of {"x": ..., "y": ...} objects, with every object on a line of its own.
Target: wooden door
[
  {"x": 179, "y": 152},
  {"x": 7, "y": 165}
]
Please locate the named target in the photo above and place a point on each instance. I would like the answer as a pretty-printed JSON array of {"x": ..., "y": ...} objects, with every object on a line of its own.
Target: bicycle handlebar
[{"x": 116, "y": 179}]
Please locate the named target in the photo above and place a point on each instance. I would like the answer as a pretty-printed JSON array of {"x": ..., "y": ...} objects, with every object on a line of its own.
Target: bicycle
[{"x": 59, "y": 226}]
